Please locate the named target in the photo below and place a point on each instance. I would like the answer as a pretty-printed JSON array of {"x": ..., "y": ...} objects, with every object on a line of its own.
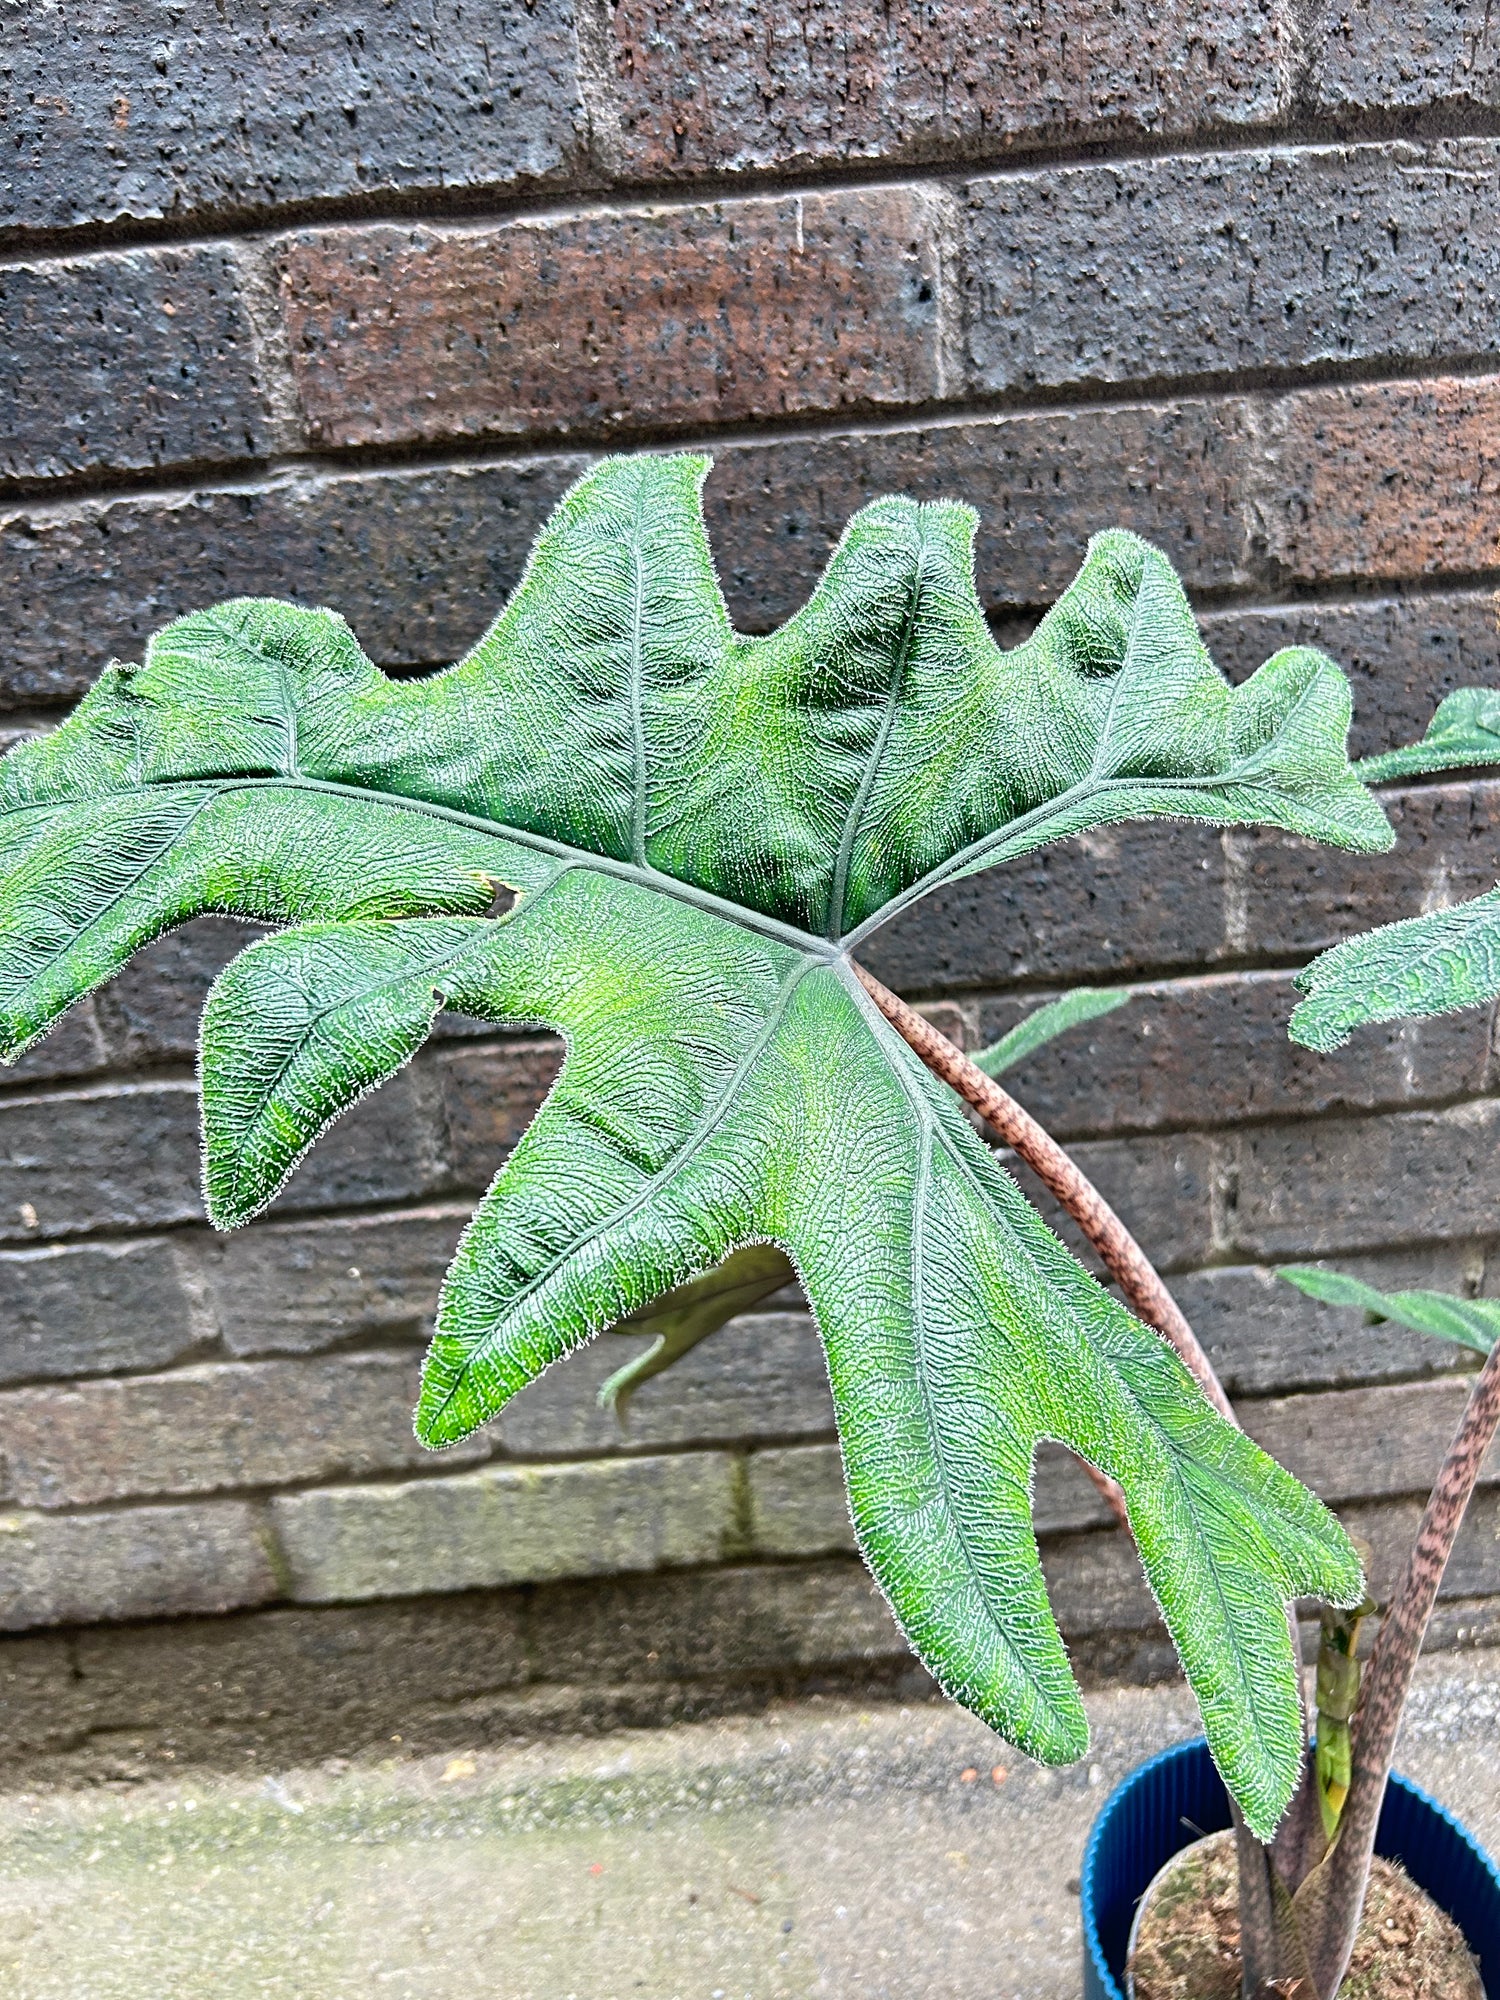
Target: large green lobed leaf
[{"x": 697, "y": 829}]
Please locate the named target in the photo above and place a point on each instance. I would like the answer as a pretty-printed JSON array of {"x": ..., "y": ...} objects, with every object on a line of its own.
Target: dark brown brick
[
  {"x": 126, "y": 1156},
  {"x": 290, "y": 1684},
  {"x": 87, "y": 1309},
  {"x": 1396, "y": 479},
  {"x": 214, "y": 1428},
  {"x": 1337, "y": 1184},
  {"x": 1141, "y": 270},
  {"x": 1402, "y": 654},
  {"x": 592, "y": 322},
  {"x": 1162, "y": 1188},
  {"x": 1262, "y": 1335},
  {"x": 126, "y": 362},
  {"x": 1042, "y": 485},
  {"x": 1215, "y": 1051},
  {"x": 738, "y": 1621},
  {"x": 1293, "y": 896},
  {"x": 490, "y": 1096},
  {"x": 297, "y": 1288},
  {"x": 150, "y": 1011},
  {"x": 742, "y": 84},
  {"x": 1117, "y": 900},
  {"x": 418, "y": 562},
  {"x": 75, "y": 1047},
  {"x": 1406, "y": 55},
  {"x": 110, "y": 112}
]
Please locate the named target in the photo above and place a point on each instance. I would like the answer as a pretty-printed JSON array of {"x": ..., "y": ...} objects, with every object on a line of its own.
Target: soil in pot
[{"x": 1187, "y": 1937}]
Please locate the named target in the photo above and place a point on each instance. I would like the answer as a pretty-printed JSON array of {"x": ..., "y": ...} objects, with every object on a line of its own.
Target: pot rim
[{"x": 1099, "y": 1832}]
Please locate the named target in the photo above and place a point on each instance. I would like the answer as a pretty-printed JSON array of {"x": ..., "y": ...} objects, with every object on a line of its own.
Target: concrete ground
[{"x": 820, "y": 1849}]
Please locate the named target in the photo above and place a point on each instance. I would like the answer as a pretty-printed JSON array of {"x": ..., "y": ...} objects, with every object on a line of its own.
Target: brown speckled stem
[{"x": 1388, "y": 1676}]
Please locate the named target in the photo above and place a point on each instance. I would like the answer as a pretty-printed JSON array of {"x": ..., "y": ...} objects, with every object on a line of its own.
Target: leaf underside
[
  {"x": 1468, "y": 1322},
  {"x": 1434, "y": 964},
  {"x": 698, "y": 828}
]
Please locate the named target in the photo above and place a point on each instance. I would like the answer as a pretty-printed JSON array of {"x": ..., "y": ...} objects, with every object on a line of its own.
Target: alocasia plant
[{"x": 695, "y": 831}]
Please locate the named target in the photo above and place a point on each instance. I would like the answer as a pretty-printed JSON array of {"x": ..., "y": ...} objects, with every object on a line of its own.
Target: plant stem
[
  {"x": 1125, "y": 1260},
  {"x": 1388, "y": 1677},
  {"x": 1141, "y": 1283}
]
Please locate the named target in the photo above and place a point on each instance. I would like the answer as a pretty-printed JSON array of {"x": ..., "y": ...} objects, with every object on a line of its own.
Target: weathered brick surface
[
  {"x": 1214, "y": 1050},
  {"x": 125, "y": 1155},
  {"x": 508, "y": 1524},
  {"x": 214, "y": 1427},
  {"x": 1143, "y": 270},
  {"x": 755, "y": 308},
  {"x": 1407, "y": 55},
  {"x": 1289, "y": 896},
  {"x": 1358, "y": 1183},
  {"x": 1114, "y": 901},
  {"x": 1165, "y": 1189},
  {"x": 489, "y": 1096},
  {"x": 762, "y": 1376},
  {"x": 725, "y": 87},
  {"x": 290, "y": 1288},
  {"x": 421, "y": 561},
  {"x": 90, "y": 1308},
  {"x": 735, "y": 1621},
  {"x": 1402, "y": 654},
  {"x": 124, "y": 362},
  {"x": 1395, "y": 479},
  {"x": 110, "y": 113},
  {"x": 137, "y": 1562},
  {"x": 164, "y": 1393}
]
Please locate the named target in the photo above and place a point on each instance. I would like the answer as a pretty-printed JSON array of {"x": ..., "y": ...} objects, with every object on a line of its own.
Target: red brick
[
  {"x": 1395, "y": 479},
  {"x": 597, "y": 321},
  {"x": 728, "y": 85}
]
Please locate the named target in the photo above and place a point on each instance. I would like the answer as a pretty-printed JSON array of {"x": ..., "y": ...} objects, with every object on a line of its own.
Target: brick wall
[{"x": 338, "y": 316}]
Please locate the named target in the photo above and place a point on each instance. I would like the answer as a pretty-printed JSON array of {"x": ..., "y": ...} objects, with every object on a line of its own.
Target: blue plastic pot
[{"x": 1164, "y": 1805}]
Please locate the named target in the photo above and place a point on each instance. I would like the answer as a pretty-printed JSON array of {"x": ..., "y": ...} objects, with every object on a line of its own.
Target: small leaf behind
[
  {"x": 1426, "y": 965},
  {"x": 1084, "y": 1003},
  {"x": 1465, "y": 732},
  {"x": 1469, "y": 1322}
]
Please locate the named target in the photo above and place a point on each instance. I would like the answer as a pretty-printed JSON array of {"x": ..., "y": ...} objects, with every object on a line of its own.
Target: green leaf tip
[
  {"x": 1464, "y": 734},
  {"x": 698, "y": 828},
  {"x": 1046, "y": 1023},
  {"x": 1435, "y": 964},
  {"x": 1473, "y": 1323}
]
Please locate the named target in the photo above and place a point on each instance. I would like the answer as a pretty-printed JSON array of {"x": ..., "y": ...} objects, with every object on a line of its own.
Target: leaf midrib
[{"x": 922, "y": 1112}]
